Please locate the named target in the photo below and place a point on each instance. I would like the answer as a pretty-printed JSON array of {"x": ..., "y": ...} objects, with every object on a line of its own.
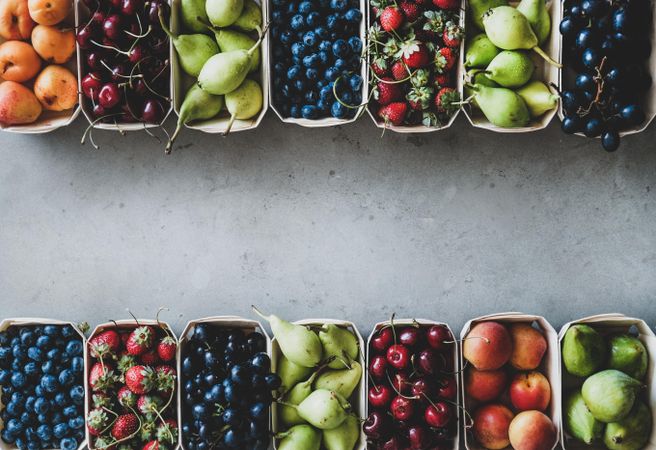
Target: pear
[
  {"x": 579, "y": 421},
  {"x": 299, "y": 344},
  {"x": 631, "y": 433},
  {"x": 340, "y": 344},
  {"x": 250, "y": 18},
  {"x": 344, "y": 437},
  {"x": 323, "y": 409},
  {"x": 291, "y": 374},
  {"x": 610, "y": 394},
  {"x": 194, "y": 50},
  {"x": 629, "y": 355},
  {"x": 538, "y": 16},
  {"x": 193, "y": 15},
  {"x": 501, "y": 106},
  {"x": 300, "y": 437},
  {"x": 244, "y": 102},
  {"x": 480, "y": 77},
  {"x": 343, "y": 381},
  {"x": 583, "y": 350},
  {"x": 509, "y": 29},
  {"x": 230, "y": 40},
  {"x": 478, "y": 8},
  {"x": 480, "y": 51},
  {"x": 197, "y": 105},
  {"x": 288, "y": 415},
  {"x": 223, "y": 13},
  {"x": 538, "y": 98},
  {"x": 510, "y": 68}
]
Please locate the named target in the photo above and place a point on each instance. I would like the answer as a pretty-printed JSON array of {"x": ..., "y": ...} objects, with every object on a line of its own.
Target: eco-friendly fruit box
[
  {"x": 29, "y": 321},
  {"x": 357, "y": 399},
  {"x": 49, "y": 120},
  {"x": 222, "y": 322},
  {"x": 139, "y": 386},
  {"x": 453, "y": 404},
  {"x": 518, "y": 396},
  {"x": 608, "y": 325},
  {"x": 544, "y": 72}
]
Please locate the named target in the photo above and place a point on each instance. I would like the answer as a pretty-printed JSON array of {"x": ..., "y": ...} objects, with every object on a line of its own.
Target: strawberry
[
  {"x": 101, "y": 377},
  {"x": 420, "y": 77},
  {"x": 391, "y": 18},
  {"x": 104, "y": 443},
  {"x": 393, "y": 113},
  {"x": 150, "y": 358},
  {"x": 167, "y": 432},
  {"x": 452, "y": 35},
  {"x": 148, "y": 404},
  {"x": 151, "y": 445},
  {"x": 445, "y": 99},
  {"x": 165, "y": 379},
  {"x": 411, "y": 10},
  {"x": 102, "y": 399},
  {"x": 449, "y": 5},
  {"x": 125, "y": 361},
  {"x": 140, "y": 340},
  {"x": 124, "y": 337},
  {"x": 166, "y": 349},
  {"x": 104, "y": 344},
  {"x": 434, "y": 24},
  {"x": 420, "y": 98},
  {"x": 387, "y": 92},
  {"x": 126, "y": 397},
  {"x": 140, "y": 379},
  {"x": 442, "y": 80},
  {"x": 97, "y": 421},
  {"x": 148, "y": 430},
  {"x": 125, "y": 426},
  {"x": 380, "y": 67},
  {"x": 399, "y": 71},
  {"x": 445, "y": 58},
  {"x": 415, "y": 54}
]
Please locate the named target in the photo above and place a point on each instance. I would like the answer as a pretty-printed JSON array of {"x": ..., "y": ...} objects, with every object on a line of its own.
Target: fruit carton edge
[
  {"x": 224, "y": 322},
  {"x": 549, "y": 74},
  {"x": 19, "y": 321},
  {"x": 647, "y": 336},
  {"x": 361, "y": 394},
  {"x": 456, "y": 364},
  {"x": 550, "y": 361},
  {"x": 180, "y": 80},
  {"x": 459, "y": 85},
  {"x": 125, "y": 324},
  {"x": 82, "y": 14}
]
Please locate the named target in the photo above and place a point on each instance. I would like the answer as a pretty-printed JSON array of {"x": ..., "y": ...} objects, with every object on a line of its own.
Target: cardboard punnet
[
  {"x": 544, "y": 72},
  {"x": 22, "y": 321},
  {"x": 222, "y": 322},
  {"x": 456, "y": 362},
  {"x": 357, "y": 400},
  {"x": 125, "y": 324},
  {"x": 181, "y": 82},
  {"x": 550, "y": 366},
  {"x": 51, "y": 120},
  {"x": 606, "y": 324}
]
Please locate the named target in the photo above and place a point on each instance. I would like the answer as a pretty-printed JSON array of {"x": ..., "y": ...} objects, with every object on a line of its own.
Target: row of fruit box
[{"x": 551, "y": 364}]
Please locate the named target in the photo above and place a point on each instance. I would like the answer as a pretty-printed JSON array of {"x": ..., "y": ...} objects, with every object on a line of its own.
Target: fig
[
  {"x": 628, "y": 355},
  {"x": 610, "y": 394},
  {"x": 631, "y": 433},
  {"x": 583, "y": 350},
  {"x": 579, "y": 421}
]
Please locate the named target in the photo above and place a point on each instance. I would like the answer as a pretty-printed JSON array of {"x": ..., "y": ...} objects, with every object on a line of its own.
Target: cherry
[
  {"x": 131, "y": 7},
  {"x": 119, "y": 72},
  {"x": 98, "y": 18},
  {"x": 439, "y": 337},
  {"x": 398, "y": 356},
  {"x": 91, "y": 85},
  {"x": 401, "y": 382},
  {"x": 139, "y": 86},
  {"x": 401, "y": 408},
  {"x": 447, "y": 388},
  {"x": 380, "y": 396},
  {"x": 112, "y": 27},
  {"x": 382, "y": 339},
  {"x": 376, "y": 426},
  {"x": 116, "y": 3},
  {"x": 109, "y": 95},
  {"x": 378, "y": 367},
  {"x": 153, "y": 111},
  {"x": 409, "y": 336},
  {"x": 418, "y": 437},
  {"x": 429, "y": 362},
  {"x": 422, "y": 388},
  {"x": 437, "y": 415},
  {"x": 153, "y": 12},
  {"x": 394, "y": 443},
  {"x": 158, "y": 42},
  {"x": 98, "y": 110},
  {"x": 84, "y": 37},
  {"x": 93, "y": 60},
  {"x": 136, "y": 54}
]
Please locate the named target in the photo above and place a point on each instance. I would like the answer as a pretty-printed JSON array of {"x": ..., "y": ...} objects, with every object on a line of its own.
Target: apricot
[
  {"x": 53, "y": 44},
  {"x": 49, "y": 12},
  {"x": 56, "y": 88},
  {"x": 18, "y": 105},
  {"x": 15, "y": 20},
  {"x": 18, "y": 61}
]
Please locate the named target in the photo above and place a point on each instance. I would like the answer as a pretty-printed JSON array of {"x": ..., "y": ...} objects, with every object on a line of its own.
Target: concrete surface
[{"x": 328, "y": 223}]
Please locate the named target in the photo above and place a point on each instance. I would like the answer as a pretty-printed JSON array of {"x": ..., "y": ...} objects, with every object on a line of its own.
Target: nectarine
[
  {"x": 18, "y": 105},
  {"x": 15, "y": 20},
  {"x": 491, "y": 423},
  {"x": 530, "y": 390},
  {"x": 529, "y": 346},
  {"x": 49, "y": 12},
  {"x": 18, "y": 61},
  {"x": 52, "y": 44},
  {"x": 532, "y": 430},
  {"x": 487, "y": 345},
  {"x": 56, "y": 88},
  {"x": 485, "y": 385}
]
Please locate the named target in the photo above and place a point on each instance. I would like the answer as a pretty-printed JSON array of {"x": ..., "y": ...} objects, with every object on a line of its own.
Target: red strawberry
[
  {"x": 97, "y": 420},
  {"x": 151, "y": 445},
  {"x": 393, "y": 113},
  {"x": 140, "y": 379},
  {"x": 388, "y": 92},
  {"x": 452, "y": 35},
  {"x": 150, "y": 358},
  {"x": 165, "y": 379},
  {"x": 415, "y": 54},
  {"x": 420, "y": 97},
  {"x": 125, "y": 361},
  {"x": 411, "y": 10},
  {"x": 166, "y": 349},
  {"x": 442, "y": 80},
  {"x": 126, "y": 397},
  {"x": 105, "y": 343},
  {"x": 167, "y": 432},
  {"x": 124, "y": 338},
  {"x": 445, "y": 99},
  {"x": 101, "y": 377},
  {"x": 449, "y": 5},
  {"x": 104, "y": 443},
  {"x": 391, "y": 18},
  {"x": 399, "y": 71},
  {"x": 102, "y": 399},
  {"x": 380, "y": 67},
  {"x": 140, "y": 340},
  {"x": 444, "y": 59},
  {"x": 125, "y": 426},
  {"x": 147, "y": 404}
]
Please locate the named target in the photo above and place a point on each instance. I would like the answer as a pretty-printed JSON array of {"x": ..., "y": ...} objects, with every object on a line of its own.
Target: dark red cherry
[
  {"x": 109, "y": 96},
  {"x": 153, "y": 111},
  {"x": 382, "y": 340},
  {"x": 91, "y": 85}
]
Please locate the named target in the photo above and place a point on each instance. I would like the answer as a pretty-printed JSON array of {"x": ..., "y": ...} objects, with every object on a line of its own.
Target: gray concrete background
[{"x": 327, "y": 223}]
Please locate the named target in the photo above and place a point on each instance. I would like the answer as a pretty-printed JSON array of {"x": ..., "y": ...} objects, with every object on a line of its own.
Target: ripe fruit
[
  {"x": 530, "y": 391},
  {"x": 388, "y": 92},
  {"x": 380, "y": 396},
  {"x": 124, "y": 426},
  {"x": 488, "y": 345},
  {"x": 491, "y": 423},
  {"x": 485, "y": 385},
  {"x": 140, "y": 379},
  {"x": 398, "y": 356},
  {"x": 52, "y": 44},
  {"x": 48, "y": 12},
  {"x": 393, "y": 113},
  {"x": 439, "y": 337},
  {"x": 532, "y": 430},
  {"x": 105, "y": 343},
  {"x": 140, "y": 340},
  {"x": 438, "y": 415},
  {"x": 378, "y": 367},
  {"x": 401, "y": 408},
  {"x": 18, "y": 61},
  {"x": 56, "y": 88},
  {"x": 391, "y": 18},
  {"x": 415, "y": 54},
  {"x": 529, "y": 346},
  {"x": 166, "y": 348},
  {"x": 15, "y": 20},
  {"x": 382, "y": 339},
  {"x": 447, "y": 4}
]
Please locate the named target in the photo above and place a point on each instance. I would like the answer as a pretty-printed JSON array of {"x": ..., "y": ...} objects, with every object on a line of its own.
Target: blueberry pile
[
  {"x": 41, "y": 373},
  {"x": 316, "y": 52},
  {"x": 606, "y": 43},
  {"x": 227, "y": 384}
]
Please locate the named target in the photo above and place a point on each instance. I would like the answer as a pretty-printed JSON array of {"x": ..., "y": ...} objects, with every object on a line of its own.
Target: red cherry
[
  {"x": 398, "y": 356},
  {"x": 112, "y": 27},
  {"x": 378, "y": 367},
  {"x": 439, "y": 337},
  {"x": 394, "y": 443},
  {"x": 429, "y": 362},
  {"x": 130, "y": 7},
  {"x": 136, "y": 54},
  {"x": 437, "y": 415},
  {"x": 98, "y": 111},
  {"x": 109, "y": 95},
  {"x": 422, "y": 388},
  {"x": 153, "y": 111},
  {"x": 84, "y": 37},
  {"x": 98, "y": 18},
  {"x": 447, "y": 388},
  {"x": 401, "y": 383},
  {"x": 409, "y": 336},
  {"x": 380, "y": 396},
  {"x": 91, "y": 85},
  {"x": 401, "y": 408},
  {"x": 93, "y": 60},
  {"x": 382, "y": 339},
  {"x": 418, "y": 437},
  {"x": 376, "y": 426}
]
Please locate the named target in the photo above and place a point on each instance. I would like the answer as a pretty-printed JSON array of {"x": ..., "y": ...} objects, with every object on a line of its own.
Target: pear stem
[
  {"x": 546, "y": 57},
  {"x": 165, "y": 27},
  {"x": 232, "y": 120},
  {"x": 257, "y": 311},
  {"x": 259, "y": 39}
]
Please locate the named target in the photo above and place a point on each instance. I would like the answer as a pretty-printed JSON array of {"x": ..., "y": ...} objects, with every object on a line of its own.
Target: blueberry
[
  {"x": 68, "y": 444},
  {"x": 60, "y": 430},
  {"x": 338, "y": 5},
  {"x": 48, "y": 367},
  {"x": 313, "y": 19},
  {"x": 5, "y": 353},
  {"x": 286, "y": 37},
  {"x": 41, "y": 405},
  {"x": 18, "y": 352},
  {"x": 294, "y": 112},
  {"x": 69, "y": 411},
  {"x": 353, "y": 15},
  {"x": 21, "y": 444},
  {"x": 18, "y": 379},
  {"x": 52, "y": 330},
  {"x": 43, "y": 418},
  {"x": 199, "y": 411},
  {"x": 356, "y": 44},
  {"x": 340, "y": 48},
  {"x": 76, "y": 423},
  {"x": 77, "y": 364},
  {"x": 68, "y": 331},
  {"x": 49, "y": 383},
  {"x": 60, "y": 399},
  {"x": 293, "y": 72},
  {"x": 331, "y": 74},
  {"x": 299, "y": 85},
  {"x": 305, "y": 7},
  {"x": 7, "y": 437},
  {"x": 27, "y": 337},
  {"x": 324, "y": 57},
  {"x": 310, "y": 39},
  {"x": 232, "y": 439},
  {"x": 18, "y": 397},
  {"x": 44, "y": 432},
  {"x": 297, "y": 22},
  {"x": 54, "y": 354},
  {"x": 66, "y": 377},
  {"x": 333, "y": 22},
  {"x": 5, "y": 375},
  {"x": 44, "y": 342},
  {"x": 298, "y": 50},
  {"x": 312, "y": 60},
  {"x": 74, "y": 348},
  {"x": 232, "y": 417},
  {"x": 187, "y": 365},
  {"x": 311, "y": 73}
]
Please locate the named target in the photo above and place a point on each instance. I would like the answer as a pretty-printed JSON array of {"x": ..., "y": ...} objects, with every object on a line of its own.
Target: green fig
[
  {"x": 477, "y": 8},
  {"x": 223, "y": 13},
  {"x": 194, "y": 50},
  {"x": 480, "y": 51},
  {"x": 250, "y": 18},
  {"x": 300, "y": 437},
  {"x": 340, "y": 344},
  {"x": 609, "y": 395},
  {"x": 291, "y": 374},
  {"x": 342, "y": 381},
  {"x": 288, "y": 415},
  {"x": 629, "y": 355},
  {"x": 509, "y": 29},
  {"x": 230, "y": 40},
  {"x": 197, "y": 105},
  {"x": 579, "y": 421},
  {"x": 631, "y": 433},
  {"x": 510, "y": 68},
  {"x": 538, "y": 16},
  {"x": 344, "y": 437},
  {"x": 193, "y": 15},
  {"x": 538, "y": 98},
  {"x": 298, "y": 343},
  {"x": 244, "y": 103},
  {"x": 583, "y": 350},
  {"x": 501, "y": 106},
  {"x": 323, "y": 409}
]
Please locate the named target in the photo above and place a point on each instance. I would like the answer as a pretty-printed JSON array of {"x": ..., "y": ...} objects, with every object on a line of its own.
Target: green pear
[
  {"x": 501, "y": 106},
  {"x": 480, "y": 77},
  {"x": 230, "y": 40},
  {"x": 629, "y": 355},
  {"x": 193, "y": 15},
  {"x": 324, "y": 409},
  {"x": 339, "y": 343},
  {"x": 298, "y": 343},
  {"x": 480, "y": 51},
  {"x": 250, "y": 18},
  {"x": 579, "y": 421},
  {"x": 478, "y": 8},
  {"x": 197, "y": 105},
  {"x": 344, "y": 437},
  {"x": 610, "y": 394},
  {"x": 510, "y": 68},
  {"x": 300, "y": 437},
  {"x": 538, "y": 16},
  {"x": 632, "y": 432},
  {"x": 342, "y": 381},
  {"x": 509, "y": 29},
  {"x": 194, "y": 50},
  {"x": 223, "y": 13},
  {"x": 244, "y": 102},
  {"x": 583, "y": 350},
  {"x": 538, "y": 98},
  {"x": 289, "y": 415},
  {"x": 291, "y": 374}
]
